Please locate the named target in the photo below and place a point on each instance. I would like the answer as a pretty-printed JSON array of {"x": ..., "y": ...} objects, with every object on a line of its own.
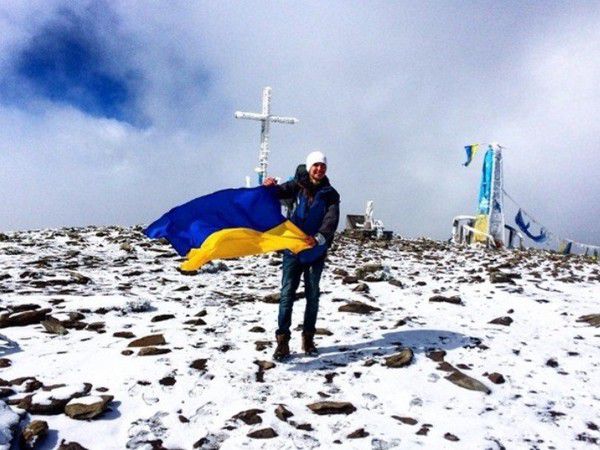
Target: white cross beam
[{"x": 265, "y": 118}]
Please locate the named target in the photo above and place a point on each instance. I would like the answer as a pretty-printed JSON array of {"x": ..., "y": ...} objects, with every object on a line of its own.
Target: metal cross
[{"x": 265, "y": 118}]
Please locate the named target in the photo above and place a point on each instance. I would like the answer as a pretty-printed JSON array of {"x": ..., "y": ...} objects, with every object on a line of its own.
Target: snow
[{"x": 548, "y": 359}]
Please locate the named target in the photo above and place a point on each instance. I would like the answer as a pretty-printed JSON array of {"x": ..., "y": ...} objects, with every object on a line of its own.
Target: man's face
[{"x": 317, "y": 172}]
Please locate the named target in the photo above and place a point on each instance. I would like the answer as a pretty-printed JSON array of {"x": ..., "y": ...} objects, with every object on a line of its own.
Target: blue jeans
[{"x": 292, "y": 271}]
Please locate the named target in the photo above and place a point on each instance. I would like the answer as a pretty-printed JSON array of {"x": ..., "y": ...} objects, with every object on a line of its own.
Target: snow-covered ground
[{"x": 533, "y": 375}]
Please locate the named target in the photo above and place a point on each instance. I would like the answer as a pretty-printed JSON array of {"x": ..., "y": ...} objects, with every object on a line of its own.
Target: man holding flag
[{"x": 317, "y": 214}]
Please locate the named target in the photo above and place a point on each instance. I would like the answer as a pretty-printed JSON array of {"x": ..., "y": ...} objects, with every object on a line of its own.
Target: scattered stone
[
  {"x": 467, "y": 382},
  {"x": 357, "y": 434},
  {"x": 265, "y": 433},
  {"x": 406, "y": 420},
  {"x": 262, "y": 345},
  {"x": 22, "y": 319},
  {"x": 249, "y": 417},
  {"x": 264, "y": 365},
  {"x": 327, "y": 408},
  {"x": 350, "y": 279},
  {"x": 146, "y": 341},
  {"x": 53, "y": 402},
  {"x": 454, "y": 300},
  {"x": 451, "y": 437},
  {"x": 167, "y": 381},
  {"x": 361, "y": 287},
  {"x": 591, "y": 319},
  {"x": 85, "y": 408},
  {"x": 436, "y": 355},
  {"x": 34, "y": 433},
  {"x": 552, "y": 363},
  {"x": 402, "y": 359},
  {"x": 54, "y": 326},
  {"x": 424, "y": 430},
  {"x": 124, "y": 334},
  {"x": 282, "y": 413},
  {"x": 505, "y": 320},
  {"x": 64, "y": 445},
  {"x": 271, "y": 298},
  {"x": 153, "y": 351},
  {"x": 162, "y": 317},
  {"x": 501, "y": 277},
  {"x": 323, "y": 332},
  {"x": 257, "y": 329},
  {"x": 358, "y": 308},
  {"x": 127, "y": 352},
  {"x": 199, "y": 364},
  {"x": 5, "y": 362},
  {"x": 496, "y": 378}
]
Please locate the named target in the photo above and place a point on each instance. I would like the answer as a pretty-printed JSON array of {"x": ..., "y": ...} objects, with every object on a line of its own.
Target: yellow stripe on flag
[{"x": 235, "y": 242}]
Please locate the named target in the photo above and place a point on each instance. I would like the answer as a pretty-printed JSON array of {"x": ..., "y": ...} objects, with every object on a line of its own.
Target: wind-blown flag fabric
[
  {"x": 228, "y": 224},
  {"x": 471, "y": 150}
]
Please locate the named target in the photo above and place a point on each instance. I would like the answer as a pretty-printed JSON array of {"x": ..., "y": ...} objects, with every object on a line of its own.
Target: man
[{"x": 317, "y": 213}]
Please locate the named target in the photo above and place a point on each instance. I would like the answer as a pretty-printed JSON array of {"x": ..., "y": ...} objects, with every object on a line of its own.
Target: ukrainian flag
[
  {"x": 228, "y": 224},
  {"x": 471, "y": 150}
]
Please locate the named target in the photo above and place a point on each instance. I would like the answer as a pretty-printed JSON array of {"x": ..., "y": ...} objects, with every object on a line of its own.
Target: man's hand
[
  {"x": 310, "y": 241},
  {"x": 269, "y": 181}
]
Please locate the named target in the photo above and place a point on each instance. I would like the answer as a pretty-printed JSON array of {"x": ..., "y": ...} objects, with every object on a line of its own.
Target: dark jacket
[{"x": 316, "y": 209}]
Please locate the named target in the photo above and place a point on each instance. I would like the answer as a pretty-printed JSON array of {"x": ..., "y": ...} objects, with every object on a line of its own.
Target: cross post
[{"x": 265, "y": 118}]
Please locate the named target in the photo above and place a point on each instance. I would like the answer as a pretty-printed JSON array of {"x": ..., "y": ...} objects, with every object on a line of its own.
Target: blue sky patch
[{"x": 66, "y": 62}]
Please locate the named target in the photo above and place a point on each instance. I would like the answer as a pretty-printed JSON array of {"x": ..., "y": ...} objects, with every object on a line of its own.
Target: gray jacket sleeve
[
  {"x": 331, "y": 219},
  {"x": 287, "y": 190}
]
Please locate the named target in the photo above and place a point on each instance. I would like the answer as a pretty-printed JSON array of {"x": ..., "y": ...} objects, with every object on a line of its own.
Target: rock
[
  {"x": 262, "y": 345},
  {"x": 552, "y": 363},
  {"x": 34, "y": 433},
  {"x": 350, "y": 279},
  {"x": 54, "y": 326},
  {"x": 328, "y": 408},
  {"x": 424, "y": 430},
  {"x": 5, "y": 362},
  {"x": 361, "y": 287},
  {"x": 264, "y": 365},
  {"x": 282, "y": 413},
  {"x": 496, "y": 378},
  {"x": 249, "y": 417},
  {"x": 505, "y": 320},
  {"x": 257, "y": 329},
  {"x": 271, "y": 298},
  {"x": 323, "y": 332},
  {"x": 501, "y": 277},
  {"x": 465, "y": 381},
  {"x": 22, "y": 319},
  {"x": 360, "y": 433},
  {"x": 591, "y": 319},
  {"x": 402, "y": 359},
  {"x": 127, "y": 352},
  {"x": 162, "y": 318},
  {"x": 167, "y": 381},
  {"x": 153, "y": 351},
  {"x": 358, "y": 308},
  {"x": 436, "y": 355},
  {"x": 451, "y": 437},
  {"x": 87, "y": 407},
  {"x": 406, "y": 420},
  {"x": 53, "y": 402},
  {"x": 146, "y": 341},
  {"x": 265, "y": 433},
  {"x": 454, "y": 300},
  {"x": 124, "y": 334},
  {"x": 199, "y": 364},
  {"x": 64, "y": 445}
]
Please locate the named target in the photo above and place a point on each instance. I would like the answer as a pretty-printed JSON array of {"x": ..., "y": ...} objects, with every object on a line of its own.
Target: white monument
[{"x": 265, "y": 118}]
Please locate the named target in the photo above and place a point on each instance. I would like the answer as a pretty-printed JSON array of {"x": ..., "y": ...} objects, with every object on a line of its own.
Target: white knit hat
[{"x": 315, "y": 157}]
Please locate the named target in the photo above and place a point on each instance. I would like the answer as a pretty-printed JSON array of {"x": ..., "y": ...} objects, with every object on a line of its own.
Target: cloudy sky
[{"x": 112, "y": 112}]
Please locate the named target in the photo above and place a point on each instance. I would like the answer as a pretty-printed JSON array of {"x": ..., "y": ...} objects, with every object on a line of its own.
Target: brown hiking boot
[
  {"x": 308, "y": 344},
  {"x": 283, "y": 347}
]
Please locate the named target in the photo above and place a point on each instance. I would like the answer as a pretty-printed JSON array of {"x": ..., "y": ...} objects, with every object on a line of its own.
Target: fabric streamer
[
  {"x": 471, "y": 150},
  {"x": 541, "y": 237},
  {"x": 228, "y": 224}
]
